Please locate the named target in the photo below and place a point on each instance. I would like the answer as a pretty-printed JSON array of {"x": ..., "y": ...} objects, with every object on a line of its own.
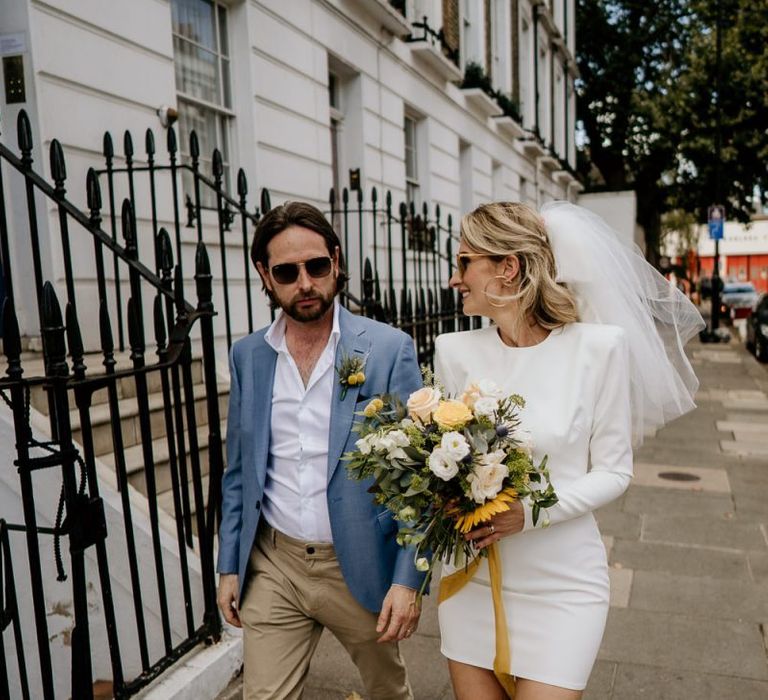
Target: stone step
[
  {"x": 102, "y": 418},
  {"x": 126, "y": 386}
]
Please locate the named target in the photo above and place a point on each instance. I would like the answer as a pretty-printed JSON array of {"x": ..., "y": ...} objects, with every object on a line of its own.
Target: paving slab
[
  {"x": 742, "y": 427},
  {"x": 678, "y": 559},
  {"x": 621, "y": 586},
  {"x": 684, "y": 643},
  {"x": 618, "y": 524},
  {"x": 701, "y": 596},
  {"x": 704, "y": 532},
  {"x": 600, "y": 686},
  {"x": 758, "y": 568},
  {"x": 747, "y": 448},
  {"x": 701, "y": 478},
  {"x": 663, "y": 501},
  {"x": 635, "y": 682},
  {"x": 754, "y": 418}
]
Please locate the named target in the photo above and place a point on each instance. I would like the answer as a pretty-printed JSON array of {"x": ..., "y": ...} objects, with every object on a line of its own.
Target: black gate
[{"x": 160, "y": 574}]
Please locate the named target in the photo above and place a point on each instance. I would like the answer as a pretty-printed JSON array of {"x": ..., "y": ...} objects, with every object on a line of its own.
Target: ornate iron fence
[{"x": 72, "y": 389}]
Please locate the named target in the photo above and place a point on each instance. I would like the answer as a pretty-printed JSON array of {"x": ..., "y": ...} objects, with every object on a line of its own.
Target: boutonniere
[{"x": 350, "y": 371}]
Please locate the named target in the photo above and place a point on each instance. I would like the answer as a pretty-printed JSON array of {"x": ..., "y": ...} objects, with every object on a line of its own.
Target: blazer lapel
[
  {"x": 264, "y": 362},
  {"x": 352, "y": 343}
]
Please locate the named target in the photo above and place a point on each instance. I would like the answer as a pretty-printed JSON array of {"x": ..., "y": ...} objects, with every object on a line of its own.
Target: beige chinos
[{"x": 294, "y": 590}]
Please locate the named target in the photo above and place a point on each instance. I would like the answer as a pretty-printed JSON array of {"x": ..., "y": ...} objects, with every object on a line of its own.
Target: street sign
[{"x": 716, "y": 220}]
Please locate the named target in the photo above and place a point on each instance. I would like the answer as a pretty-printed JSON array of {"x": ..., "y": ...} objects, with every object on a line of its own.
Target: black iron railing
[
  {"x": 185, "y": 600},
  {"x": 437, "y": 38}
]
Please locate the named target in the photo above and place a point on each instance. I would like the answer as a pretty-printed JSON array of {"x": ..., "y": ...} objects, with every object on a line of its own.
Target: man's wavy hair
[{"x": 289, "y": 214}]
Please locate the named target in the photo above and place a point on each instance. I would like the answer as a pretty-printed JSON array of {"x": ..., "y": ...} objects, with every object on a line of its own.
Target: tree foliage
[{"x": 648, "y": 104}]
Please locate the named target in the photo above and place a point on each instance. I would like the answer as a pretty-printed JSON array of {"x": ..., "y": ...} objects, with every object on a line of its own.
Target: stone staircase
[{"x": 101, "y": 422}]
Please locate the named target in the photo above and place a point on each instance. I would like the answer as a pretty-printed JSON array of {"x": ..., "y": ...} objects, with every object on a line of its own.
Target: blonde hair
[{"x": 500, "y": 229}]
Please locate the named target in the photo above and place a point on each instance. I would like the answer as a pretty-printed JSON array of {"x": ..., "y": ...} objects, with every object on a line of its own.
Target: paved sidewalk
[{"x": 688, "y": 549}]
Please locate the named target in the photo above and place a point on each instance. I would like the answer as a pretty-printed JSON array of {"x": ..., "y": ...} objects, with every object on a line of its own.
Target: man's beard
[{"x": 313, "y": 313}]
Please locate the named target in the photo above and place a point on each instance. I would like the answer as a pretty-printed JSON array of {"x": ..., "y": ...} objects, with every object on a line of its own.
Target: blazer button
[{"x": 258, "y": 505}]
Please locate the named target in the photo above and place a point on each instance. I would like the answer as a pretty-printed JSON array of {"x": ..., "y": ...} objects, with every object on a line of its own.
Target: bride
[{"x": 591, "y": 336}]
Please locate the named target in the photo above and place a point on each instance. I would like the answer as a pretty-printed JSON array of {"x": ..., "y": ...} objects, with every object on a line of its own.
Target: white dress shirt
[{"x": 295, "y": 500}]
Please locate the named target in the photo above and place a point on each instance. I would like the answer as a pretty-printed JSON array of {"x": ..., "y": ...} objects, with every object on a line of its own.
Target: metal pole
[{"x": 715, "y": 314}]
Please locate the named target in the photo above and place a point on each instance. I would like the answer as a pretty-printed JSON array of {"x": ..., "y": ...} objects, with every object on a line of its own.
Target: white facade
[{"x": 92, "y": 66}]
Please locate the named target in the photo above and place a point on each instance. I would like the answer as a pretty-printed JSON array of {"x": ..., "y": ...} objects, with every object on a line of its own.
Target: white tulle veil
[{"x": 614, "y": 284}]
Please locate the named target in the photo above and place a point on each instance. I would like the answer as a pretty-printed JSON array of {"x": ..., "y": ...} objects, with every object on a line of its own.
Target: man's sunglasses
[
  {"x": 463, "y": 259},
  {"x": 288, "y": 273}
]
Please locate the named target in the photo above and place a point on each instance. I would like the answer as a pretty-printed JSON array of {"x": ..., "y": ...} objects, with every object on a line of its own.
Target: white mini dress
[{"x": 555, "y": 578}]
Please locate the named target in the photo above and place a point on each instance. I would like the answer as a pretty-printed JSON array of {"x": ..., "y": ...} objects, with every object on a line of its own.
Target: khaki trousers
[{"x": 294, "y": 590}]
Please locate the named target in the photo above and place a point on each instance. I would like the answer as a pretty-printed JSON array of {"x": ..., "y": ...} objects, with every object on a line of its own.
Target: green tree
[{"x": 648, "y": 106}]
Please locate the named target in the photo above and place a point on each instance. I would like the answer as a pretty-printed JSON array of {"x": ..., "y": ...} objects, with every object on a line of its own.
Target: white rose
[
  {"x": 489, "y": 388},
  {"x": 486, "y": 406},
  {"x": 423, "y": 402},
  {"x": 441, "y": 465},
  {"x": 455, "y": 445},
  {"x": 364, "y": 445},
  {"x": 399, "y": 438},
  {"x": 392, "y": 444},
  {"x": 488, "y": 476}
]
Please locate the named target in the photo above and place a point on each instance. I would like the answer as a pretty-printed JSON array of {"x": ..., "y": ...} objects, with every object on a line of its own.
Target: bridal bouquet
[{"x": 442, "y": 466}]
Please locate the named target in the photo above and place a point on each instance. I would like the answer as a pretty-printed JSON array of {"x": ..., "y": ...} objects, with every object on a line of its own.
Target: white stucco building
[{"x": 300, "y": 94}]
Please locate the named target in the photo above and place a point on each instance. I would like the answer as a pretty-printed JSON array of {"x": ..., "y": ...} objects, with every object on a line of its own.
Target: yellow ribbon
[{"x": 454, "y": 582}]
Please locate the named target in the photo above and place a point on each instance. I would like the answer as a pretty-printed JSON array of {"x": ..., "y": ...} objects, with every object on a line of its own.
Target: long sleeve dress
[{"x": 555, "y": 575}]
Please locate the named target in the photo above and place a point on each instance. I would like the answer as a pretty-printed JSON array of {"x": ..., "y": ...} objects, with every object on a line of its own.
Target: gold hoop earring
[{"x": 506, "y": 283}]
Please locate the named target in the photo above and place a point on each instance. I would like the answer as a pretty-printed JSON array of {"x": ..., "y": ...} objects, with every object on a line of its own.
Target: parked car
[
  {"x": 737, "y": 300},
  {"x": 757, "y": 329}
]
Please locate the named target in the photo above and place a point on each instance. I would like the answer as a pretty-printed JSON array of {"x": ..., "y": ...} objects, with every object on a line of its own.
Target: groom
[{"x": 301, "y": 546}]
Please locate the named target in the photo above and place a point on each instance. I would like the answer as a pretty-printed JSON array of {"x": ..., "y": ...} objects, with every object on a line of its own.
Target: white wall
[{"x": 619, "y": 209}]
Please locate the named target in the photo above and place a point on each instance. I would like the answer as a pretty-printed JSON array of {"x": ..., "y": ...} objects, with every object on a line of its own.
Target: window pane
[
  {"x": 196, "y": 71},
  {"x": 193, "y": 19},
  {"x": 201, "y": 120},
  {"x": 225, "y": 82},
  {"x": 223, "y": 39},
  {"x": 411, "y": 168}
]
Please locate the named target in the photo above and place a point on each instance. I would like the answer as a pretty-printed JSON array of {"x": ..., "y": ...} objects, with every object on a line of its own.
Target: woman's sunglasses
[
  {"x": 463, "y": 260},
  {"x": 288, "y": 273}
]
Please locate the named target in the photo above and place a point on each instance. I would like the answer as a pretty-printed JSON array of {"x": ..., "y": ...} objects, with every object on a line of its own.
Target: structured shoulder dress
[{"x": 555, "y": 575}]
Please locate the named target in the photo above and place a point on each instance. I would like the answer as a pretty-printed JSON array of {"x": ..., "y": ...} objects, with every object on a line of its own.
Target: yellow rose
[
  {"x": 360, "y": 377},
  {"x": 422, "y": 403},
  {"x": 452, "y": 415},
  {"x": 352, "y": 379},
  {"x": 373, "y": 408}
]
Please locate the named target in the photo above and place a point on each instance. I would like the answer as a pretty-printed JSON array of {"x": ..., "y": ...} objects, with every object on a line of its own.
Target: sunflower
[{"x": 467, "y": 521}]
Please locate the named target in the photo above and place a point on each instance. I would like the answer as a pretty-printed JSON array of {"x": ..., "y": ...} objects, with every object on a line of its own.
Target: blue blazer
[{"x": 363, "y": 533}]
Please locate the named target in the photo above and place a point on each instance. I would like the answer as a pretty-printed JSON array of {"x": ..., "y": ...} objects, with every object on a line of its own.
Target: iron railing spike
[
  {"x": 242, "y": 183},
  {"x": 149, "y": 143},
  {"x": 58, "y": 166},
  {"x": 159, "y": 318},
  {"x": 194, "y": 146},
  {"x": 108, "y": 146},
  {"x": 266, "y": 201},
  {"x": 128, "y": 145},
  {"x": 105, "y": 328},
  {"x": 172, "y": 143},
  {"x": 24, "y": 134},
  {"x": 93, "y": 190}
]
